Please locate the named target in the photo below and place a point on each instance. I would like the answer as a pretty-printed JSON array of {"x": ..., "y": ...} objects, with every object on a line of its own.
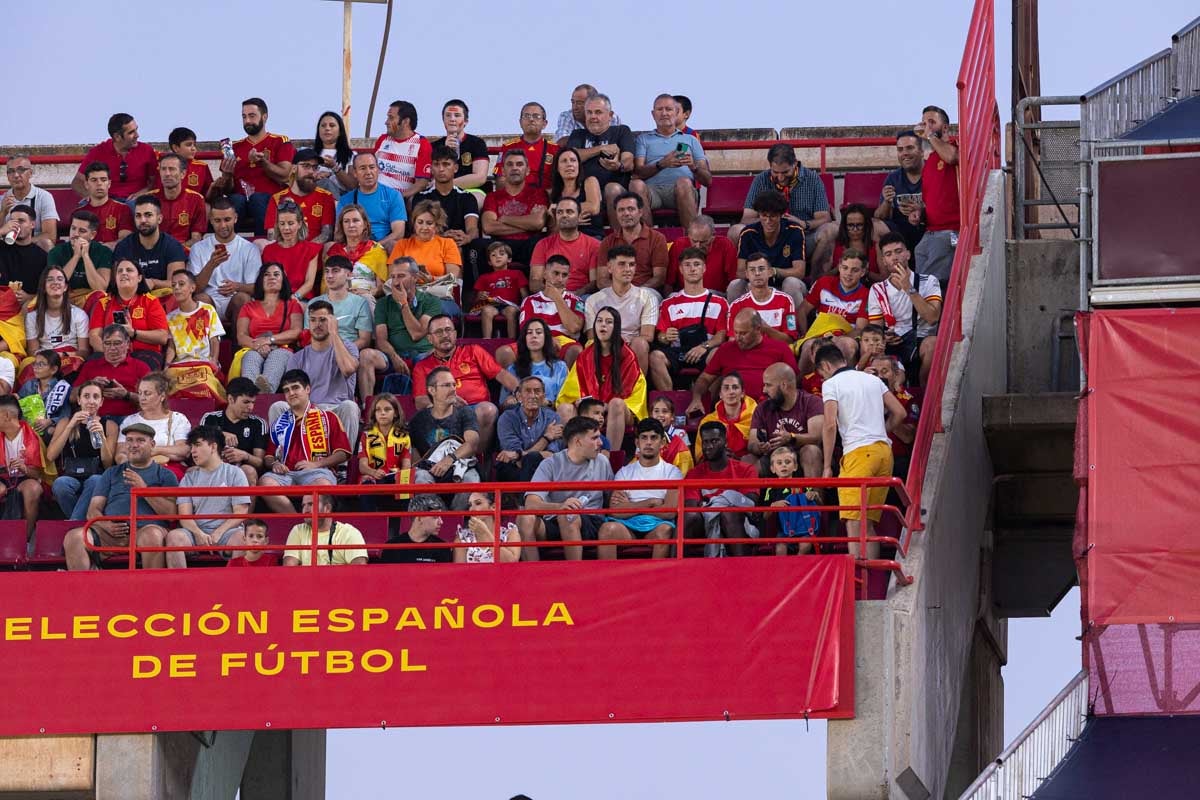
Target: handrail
[
  {"x": 978, "y": 154},
  {"x": 1113, "y": 81},
  {"x": 1024, "y": 764}
]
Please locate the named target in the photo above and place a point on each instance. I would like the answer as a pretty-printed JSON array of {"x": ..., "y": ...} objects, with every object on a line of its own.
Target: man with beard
[
  {"x": 404, "y": 155},
  {"x": 724, "y": 519},
  {"x": 581, "y": 252},
  {"x": 157, "y": 254},
  {"x": 185, "y": 217},
  {"x": 130, "y": 162},
  {"x": 225, "y": 264},
  {"x": 260, "y": 166},
  {"x": 315, "y": 203},
  {"x": 904, "y": 215},
  {"x": 787, "y": 416}
]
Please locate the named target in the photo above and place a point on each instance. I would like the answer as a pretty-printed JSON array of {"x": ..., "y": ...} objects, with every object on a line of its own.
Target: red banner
[{"x": 329, "y": 647}]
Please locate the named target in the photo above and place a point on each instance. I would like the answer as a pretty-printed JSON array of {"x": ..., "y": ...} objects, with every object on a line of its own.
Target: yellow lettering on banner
[
  {"x": 517, "y": 622},
  {"x": 159, "y": 632},
  {"x": 16, "y": 629},
  {"x": 304, "y": 656},
  {"x": 146, "y": 667},
  {"x": 86, "y": 627},
  {"x": 231, "y": 660},
  {"x": 339, "y": 662},
  {"x": 246, "y": 620},
  {"x": 182, "y": 665},
  {"x": 382, "y": 656},
  {"x": 124, "y": 633},
  {"x": 214, "y": 623},
  {"x": 341, "y": 620},
  {"x": 260, "y": 666},
  {"x": 304, "y": 620},
  {"x": 49, "y": 634},
  {"x": 496, "y": 612},
  {"x": 558, "y": 613},
  {"x": 453, "y": 616},
  {"x": 411, "y": 618},
  {"x": 372, "y": 617},
  {"x": 407, "y": 667}
]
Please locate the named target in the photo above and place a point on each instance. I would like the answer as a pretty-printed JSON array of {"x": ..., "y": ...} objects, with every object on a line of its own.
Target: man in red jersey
[
  {"x": 133, "y": 163},
  {"x": 539, "y": 150},
  {"x": 749, "y": 354},
  {"x": 720, "y": 256},
  {"x": 776, "y": 308},
  {"x": 580, "y": 251},
  {"x": 184, "y": 214},
  {"x": 315, "y": 203},
  {"x": 939, "y": 189},
  {"x": 725, "y": 521},
  {"x": 515, "y": 213},
  {"x": 116, "y": 220},
  {"x": 404, "y": 155},
  {"x": 260, "y": 166}
]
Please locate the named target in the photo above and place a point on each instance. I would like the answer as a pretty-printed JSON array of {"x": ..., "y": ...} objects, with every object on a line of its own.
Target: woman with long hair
[
  {"x": 56, "y": 324},
  {"x": 857, "y": 231},
  {"x": 52, "y": 390},
  {"x": 171, "y": 428},
  {"x": 267, "y": 327},
  {"x": 569, "y": 181},
  {"x": 301, "y": 259},
  {"x": 83, "y": 446},
  {"x": 479, "y": 529},
  {"x": 537, "y": 355},
  {"x": 129, "y": 304},
  {"x": 734, "y": 410},
  {"x": 333, "y": 143},
  {"x": 352, "y": 239},
  {"x": 607, "y": 370}
]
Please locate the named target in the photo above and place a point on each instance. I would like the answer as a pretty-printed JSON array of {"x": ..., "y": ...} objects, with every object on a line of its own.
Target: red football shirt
[
  {"x": 198, "y": 178},
  {"x": 505, "y": 284},
  {"x": 749, "y": 363},
  {"x": 538, "y": 306},
  {"x": 317, "y": 206},
  {"x": 778, "y": 312},
  {"x": 143, "y": 312},
  {"x": 582, "y": 253},
  {"x": 681, "y": 310},
  {"x": 503, "y": 204},
  {"x": 540, "y": 156},
  {"x": 128, "y": 373},
  {"x": 734, "y": 470},
  {"x": 939, "y": 188},
  {"x": 114, "y": 218},
  {"x": 471, "y": 366},
  {"x": 141, "y": 167},
  {"x": 277, "y": 148},
  {"x": 720, "y": 268},
  {"x": 827, "y": 296},
  {"x": 183, "y": 216}
]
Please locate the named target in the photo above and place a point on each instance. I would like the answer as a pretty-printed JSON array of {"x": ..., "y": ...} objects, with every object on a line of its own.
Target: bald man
[
  {"x": 787, "y": 416},
  {"x": 748, "y": 354}
]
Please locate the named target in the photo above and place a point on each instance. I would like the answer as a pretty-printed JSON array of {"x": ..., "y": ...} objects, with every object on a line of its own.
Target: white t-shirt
[
  {"x": 169, "y": 430},
  {"x": 861, "y": 416},
  {"x": 56, "y": 337},
  {"x": 243, "y": 266},
  {"x": 8, "y": 373},
  {"x": 42, "y": 203},
  {"x": 634, "y": 471},
  {"x": 638, "y": 307},
  {"x": 885, "y": 295},
  {"x": 13, "y": 447}
]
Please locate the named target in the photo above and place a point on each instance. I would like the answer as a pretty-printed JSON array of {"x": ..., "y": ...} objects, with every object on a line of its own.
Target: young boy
[
  {"x": 595, "y": 409},
  {"x": 197, "y": 177},
  {"x": 500, "y": 291},
  {"x": 255, "y": 535},
  {"x": 871, "y": 345}
]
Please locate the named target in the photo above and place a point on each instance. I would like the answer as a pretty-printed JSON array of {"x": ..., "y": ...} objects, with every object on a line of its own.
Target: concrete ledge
[{"x": 60, "y": 766}]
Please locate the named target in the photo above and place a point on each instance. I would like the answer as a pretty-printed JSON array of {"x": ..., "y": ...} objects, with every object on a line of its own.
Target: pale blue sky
[{"x": 753, "y": 63}]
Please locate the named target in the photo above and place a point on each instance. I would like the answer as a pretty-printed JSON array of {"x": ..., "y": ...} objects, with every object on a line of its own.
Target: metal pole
[{"x": 347, "y": 5}]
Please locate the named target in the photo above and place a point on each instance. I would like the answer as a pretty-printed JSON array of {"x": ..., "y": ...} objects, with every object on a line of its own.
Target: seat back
[
  {"x": 726, "y": 197},
  {"x": 862, "y": 187}
]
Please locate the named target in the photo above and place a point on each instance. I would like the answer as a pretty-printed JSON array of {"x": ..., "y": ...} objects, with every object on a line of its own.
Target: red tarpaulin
[{"x": 328, "y": 647}]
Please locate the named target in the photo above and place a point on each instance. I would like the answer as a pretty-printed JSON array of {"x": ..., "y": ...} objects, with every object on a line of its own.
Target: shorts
[
  {"x": 730, "y": 498},
  {"x": 225, "y": 537},
  {"x": 589, "y": 530},
  {"x": 675, "y": 362},
  {"x": 662, "y": 195},
  {"x": 302, "y": 477},
  {"x": 869, "y": 461},
  {"x": 641, "y": 524}
]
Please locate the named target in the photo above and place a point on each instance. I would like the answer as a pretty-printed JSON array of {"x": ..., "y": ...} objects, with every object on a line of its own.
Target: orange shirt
[{"x": 433, "y": 255}]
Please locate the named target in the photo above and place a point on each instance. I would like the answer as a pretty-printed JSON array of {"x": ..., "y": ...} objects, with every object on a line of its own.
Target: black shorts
[
  {"x": 675, "y": 362},
  {"x": 589, "y": 530}
]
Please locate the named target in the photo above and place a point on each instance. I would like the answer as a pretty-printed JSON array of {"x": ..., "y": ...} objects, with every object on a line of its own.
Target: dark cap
[
  {"x": 139, "y": 427},
  {"x": 306, "y": 154}
]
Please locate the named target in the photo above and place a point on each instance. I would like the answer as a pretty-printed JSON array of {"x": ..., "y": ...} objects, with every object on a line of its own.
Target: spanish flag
[
  {"x": 582, "y": 380},
  {"x": 12, "y": 327}
]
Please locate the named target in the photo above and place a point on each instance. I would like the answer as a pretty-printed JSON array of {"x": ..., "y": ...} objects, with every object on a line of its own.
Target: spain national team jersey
[
  {"x": 540, "y": 156},
  {"x": 682, "y": 310},
  {"x": 318, "y": 207},
  {"x": 114, "y": 218},
  {"x": 198, "y": 177},
  {"x": 939, "y": 184},
  {"x": 538, "y": 306},
  {"x": 183, "y": 216},
  {"x": 778, "y": 312},
  {"x": 277, "y": 148},
  {"x": 828, "y": 297},
  {"x": 401, "y": 163}
]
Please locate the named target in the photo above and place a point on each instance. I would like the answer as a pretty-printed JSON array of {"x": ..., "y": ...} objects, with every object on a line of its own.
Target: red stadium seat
[
  {"x": 373, "y": 529},
  {"x": 408, "y": 405},
  {"x": 672, "y": 234},
  {"x": 830, "y": 195},
  {"x": 727, "y": 197},
  {"x": 262, "y": 405},
  {"x": 192, "y": 408},
  {"x": 12, "y": 543},
  {"x": 48, "y": 542},
  {"x": 862, "y": 187},
  {"x": 617, "y": 459},
  {"x": 65, "y": 203}
]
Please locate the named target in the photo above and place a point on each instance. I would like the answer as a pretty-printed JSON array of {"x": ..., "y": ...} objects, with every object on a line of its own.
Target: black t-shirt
[
  {"x": 22, "y": 262},
  {"x": 153, "y": 261},
  {"x": 620, "y": 135},
  {"x": 417, "y": 555},
  {"x": 897, "y": 221},
  {"x": 470, "y": 149},
  {"x": 426, "y": 432},
  {"x": 251, "y": 432},
  {"x": 458, "y": 205}
]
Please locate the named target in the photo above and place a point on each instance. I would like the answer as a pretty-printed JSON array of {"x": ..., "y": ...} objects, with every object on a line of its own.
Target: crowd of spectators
[{"x": 791, "y": 338}]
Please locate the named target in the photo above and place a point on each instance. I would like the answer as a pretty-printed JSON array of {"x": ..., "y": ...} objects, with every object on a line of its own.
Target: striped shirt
[{"x": 401, "y": 163}]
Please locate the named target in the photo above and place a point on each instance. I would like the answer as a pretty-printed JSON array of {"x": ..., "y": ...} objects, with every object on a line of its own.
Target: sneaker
[{"x": 263, "y": 385}]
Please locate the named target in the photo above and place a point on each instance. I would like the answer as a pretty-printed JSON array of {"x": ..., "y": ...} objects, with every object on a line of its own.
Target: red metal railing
[
  {"x": 498, "y": 490},
  {"x": 978, "y": 154}
]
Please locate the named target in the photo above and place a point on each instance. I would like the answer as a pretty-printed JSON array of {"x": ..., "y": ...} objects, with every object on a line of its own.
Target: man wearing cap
[
  {"x": 315, "y": 203},
  {"x": 402, "y": 318},
  {"x": 422, "y": 530},
  {"x": 112, "y": 499}
]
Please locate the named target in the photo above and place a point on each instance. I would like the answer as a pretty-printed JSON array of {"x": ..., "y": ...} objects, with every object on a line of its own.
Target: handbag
[{"x": 80, "y": 467}]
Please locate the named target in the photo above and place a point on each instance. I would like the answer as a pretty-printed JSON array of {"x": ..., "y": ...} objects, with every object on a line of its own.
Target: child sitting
[
  {"x": 500, "y": 291},
  {"x": 784, "y": 462},
  {"x": 254, "y": 532},
  {"x": 678, "y": 447}
]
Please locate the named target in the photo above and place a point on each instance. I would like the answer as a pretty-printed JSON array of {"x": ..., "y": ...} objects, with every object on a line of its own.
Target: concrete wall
[
  {"x": 923, "y": 653},
  {"x": 1043, "y": 285}
]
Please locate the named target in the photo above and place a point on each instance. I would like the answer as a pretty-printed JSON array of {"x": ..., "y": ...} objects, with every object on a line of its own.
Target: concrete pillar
[
  {"x": 285, "y": 765},
  {"x": 856, "y": 756}
]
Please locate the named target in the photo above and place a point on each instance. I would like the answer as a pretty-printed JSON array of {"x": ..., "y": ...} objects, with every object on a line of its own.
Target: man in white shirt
[
  {"x": 225, "y": 264},
  {"x": 657, "y": 520},
  {"x": 637, "y": 306},
  {"x": 205, "y": 445},
  {"x": 404, "y": 155},
  {"x": 862, "y": 409},
  {"x": 908, "y": 306},
  {"x": 22, "y": 192}
]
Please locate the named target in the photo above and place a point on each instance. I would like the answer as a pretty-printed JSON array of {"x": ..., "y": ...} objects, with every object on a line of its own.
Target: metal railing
[
  {"x": 978, "y": 155},
  {"x": 1120, "y": 103},
  {"x": 1020, "y": 769},
  {"x": 1054, "y": 170},
  {"x": 1185, "y": 50}
]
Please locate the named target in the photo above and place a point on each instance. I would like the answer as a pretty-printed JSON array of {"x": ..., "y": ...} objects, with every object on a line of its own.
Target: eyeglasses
[
  {"x": 533, "y": 116},
  {"x": 17, "y": 170}
]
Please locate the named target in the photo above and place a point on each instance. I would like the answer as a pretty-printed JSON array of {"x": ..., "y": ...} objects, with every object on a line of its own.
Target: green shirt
[
  {"x": 387, "y": 312},
  {"x": 61, "y": 254}
]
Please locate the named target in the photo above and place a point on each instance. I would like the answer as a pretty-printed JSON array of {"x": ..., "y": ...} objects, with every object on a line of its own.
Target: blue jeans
[
  {"x": 255, "y": 206},
  {"x": 73, "y": 495}
]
